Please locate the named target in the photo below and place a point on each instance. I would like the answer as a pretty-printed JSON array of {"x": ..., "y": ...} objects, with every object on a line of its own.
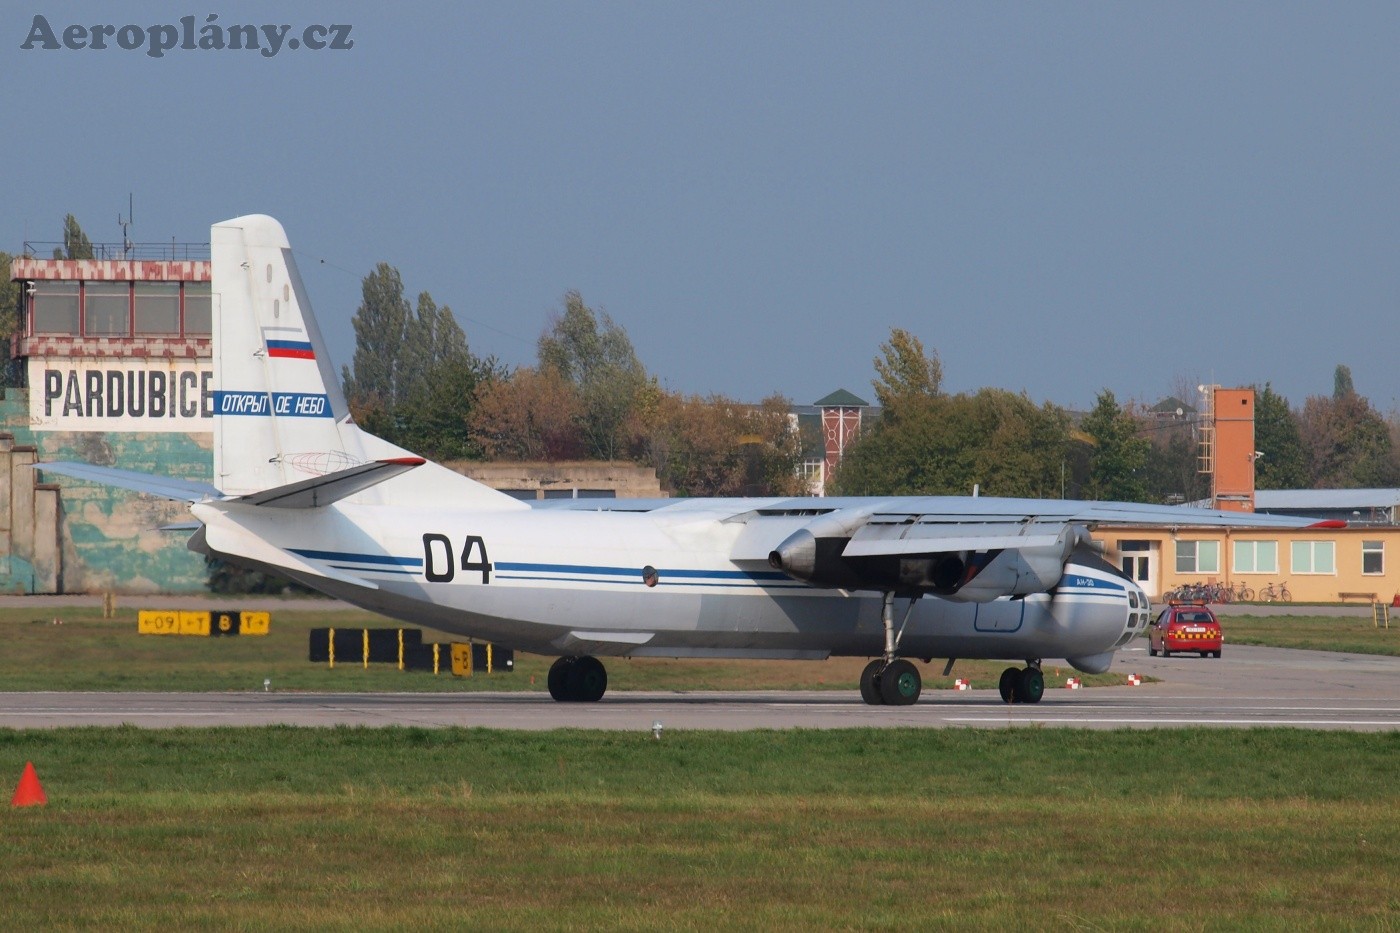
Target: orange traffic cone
[{"x": 29, "y": 793}]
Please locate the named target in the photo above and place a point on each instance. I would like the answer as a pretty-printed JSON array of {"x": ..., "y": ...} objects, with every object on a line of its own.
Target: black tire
[
  {"x": 1165, "y": 652},
  {"x": 587, "y": 680},
  {"x": 1151, "y": 650},
  {"x": 900, "y": 683},
  {"x": 558, "y": 679},
  {"x": 1030, "y": 685},
  {"x": 1217, "y": 654},
  {"x": 1007, "y": 685},
  {"x": 1205, "y": 654},
  {"x": 870, "y": 683}
]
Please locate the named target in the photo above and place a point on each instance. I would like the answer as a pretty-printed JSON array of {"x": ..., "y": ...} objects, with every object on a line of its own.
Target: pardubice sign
[{"x": 121, "y": 395}]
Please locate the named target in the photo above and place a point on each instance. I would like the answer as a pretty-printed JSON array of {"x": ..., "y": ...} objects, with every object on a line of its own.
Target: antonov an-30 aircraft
[{"x": 300, "y": 490}]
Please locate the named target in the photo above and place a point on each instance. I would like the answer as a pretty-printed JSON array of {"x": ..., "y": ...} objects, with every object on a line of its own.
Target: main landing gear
[
  {"x": 891, "y": 680},
  {"x": 578, "y": 680},
  {"x": 1023, "y": 684}
]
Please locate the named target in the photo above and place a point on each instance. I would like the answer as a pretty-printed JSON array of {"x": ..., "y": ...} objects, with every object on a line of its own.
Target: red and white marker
[
  {"x": 1073, "y": 683},
  {"x": 961, "y": 684},
  {"x": 1134, "y": 680}
]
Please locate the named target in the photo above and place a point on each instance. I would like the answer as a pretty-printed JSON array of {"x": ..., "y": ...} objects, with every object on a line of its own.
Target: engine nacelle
[
  {"x": 1014, "y": 573},
  {"x": 813, "y": 553},
  {"x": 979, "y": 566},
  {"x": 1094, "y": 664}
]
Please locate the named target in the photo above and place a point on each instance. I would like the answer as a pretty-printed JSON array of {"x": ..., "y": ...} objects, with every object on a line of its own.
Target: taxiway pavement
[{"x": 1249, "y": 686}]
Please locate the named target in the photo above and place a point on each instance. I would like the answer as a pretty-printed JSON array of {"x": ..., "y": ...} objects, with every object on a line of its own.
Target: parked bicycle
[
  {"x": 1242, "y": 593},
  {"x": 1202, "y": 592},
  {"x": 1271, "y": 593}
]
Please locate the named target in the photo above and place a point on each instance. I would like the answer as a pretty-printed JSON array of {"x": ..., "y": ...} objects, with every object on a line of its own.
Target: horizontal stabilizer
[
  {"x": 323, "y": 490},
  {"x": 181, "y": 490}
]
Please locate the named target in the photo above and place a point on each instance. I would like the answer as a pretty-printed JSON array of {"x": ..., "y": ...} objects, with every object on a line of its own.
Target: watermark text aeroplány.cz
[{"x": 185, "y": 35}]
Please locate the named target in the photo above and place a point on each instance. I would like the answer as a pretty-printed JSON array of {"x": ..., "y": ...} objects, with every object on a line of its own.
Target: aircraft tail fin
[{"x": 279, "y": 415}]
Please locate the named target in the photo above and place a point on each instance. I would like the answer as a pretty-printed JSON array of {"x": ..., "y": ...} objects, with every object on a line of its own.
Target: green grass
[
  {"x": 849, "y": 829},
  {"x": 1352, "y": 634},
  {"x": 89, "y": 653}
]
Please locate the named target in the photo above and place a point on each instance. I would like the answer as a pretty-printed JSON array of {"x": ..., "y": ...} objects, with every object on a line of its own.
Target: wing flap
[{"x": 886, "y": 539}]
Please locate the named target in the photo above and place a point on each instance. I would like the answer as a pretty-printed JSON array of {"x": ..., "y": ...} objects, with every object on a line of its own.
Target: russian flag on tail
[{"x": 290, "y": 349}]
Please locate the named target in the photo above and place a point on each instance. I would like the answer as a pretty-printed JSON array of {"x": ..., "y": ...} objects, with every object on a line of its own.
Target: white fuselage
[{"x": 576, "y": 582}]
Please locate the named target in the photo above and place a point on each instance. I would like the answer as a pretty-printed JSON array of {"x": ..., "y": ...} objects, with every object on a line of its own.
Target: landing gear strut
[
  {"x": 578, "y": 680},
  {"x": 891, "y": 680},
  {"x": 1022, "y": 685}
]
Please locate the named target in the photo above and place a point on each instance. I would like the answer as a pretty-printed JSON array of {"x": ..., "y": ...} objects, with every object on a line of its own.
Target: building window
[
  {"x": 1314, "y": 557},
  {"x": 107, "y": 309},
  {"x": 1373, "y": 557},
  {"x": 1256, "y": 557},
  {"x": 197, "y": 319},
  {"x": 1198, "y": 557},
  {"x": 1131, "y": 545},
  {"x": 55, "y": 307},
  {"x": 157, "y": 308}
]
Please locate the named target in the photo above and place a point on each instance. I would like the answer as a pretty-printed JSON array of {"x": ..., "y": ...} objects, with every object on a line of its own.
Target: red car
[{"x": 1185, "y": 627}]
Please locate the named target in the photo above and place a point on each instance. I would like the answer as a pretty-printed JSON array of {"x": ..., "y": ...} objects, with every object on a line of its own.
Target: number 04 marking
[{"x": 438, "y": 565}]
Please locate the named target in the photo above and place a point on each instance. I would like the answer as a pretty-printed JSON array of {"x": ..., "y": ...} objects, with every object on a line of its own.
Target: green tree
[
  {"x": 76, "y": 245},
  {"x": 905, "y": 371},
  {"x": 415, "y": 380},
  {"x": 996, "y": 440},
  {"x": 432, "y": 338},
  {"x": 439, "y": 381},
  {"x": 597, "y": 358},
  {"x": 435, "y": 418},
  {"x": 381, "y": 333},
  {"x": 1276, "y": 436},
  {"x": 1347, "y": 443},
  {"x": 11, "y": 318},
  {"x": 1341, "y": 382},
  {"x": 1172, "y": 472},
  {"x": 1117, "y": 467}
]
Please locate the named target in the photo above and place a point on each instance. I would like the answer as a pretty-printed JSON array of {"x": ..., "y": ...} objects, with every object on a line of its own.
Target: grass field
[
  {"x": 1354, "y": 634},
  {"x": 851, "y": 829},
  {"x": 89, "y": 653}
]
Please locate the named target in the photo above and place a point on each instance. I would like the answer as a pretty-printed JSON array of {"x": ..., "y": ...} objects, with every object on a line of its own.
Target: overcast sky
[{"x": 1057, "y": 197}]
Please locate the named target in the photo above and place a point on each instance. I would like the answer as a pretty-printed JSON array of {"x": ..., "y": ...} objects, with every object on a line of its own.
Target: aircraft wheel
[
  {"x": 900, "y": 684},
  {"x": 587, "y": 680},
  {"x": 870, "y": 683},
  {"x": 559, "y": 678},
  {"x": 1030, "y": 685},
  {"x": 1007, "y": 684}
]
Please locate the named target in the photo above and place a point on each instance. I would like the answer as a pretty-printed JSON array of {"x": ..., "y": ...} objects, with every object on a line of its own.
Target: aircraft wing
[{"x": 966, "y": 549}]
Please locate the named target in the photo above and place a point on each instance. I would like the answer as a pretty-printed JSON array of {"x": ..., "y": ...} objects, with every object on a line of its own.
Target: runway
[{"x": 1246, "y": 688}]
